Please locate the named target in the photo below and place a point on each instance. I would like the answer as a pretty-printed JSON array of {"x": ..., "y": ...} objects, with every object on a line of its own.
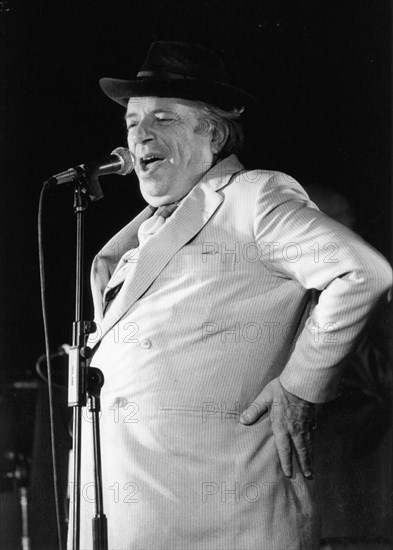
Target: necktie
[
  {"x": 146, "y": 230},
  {"x": 151, "y": 226},
  {"x": 166, "y": 211}
]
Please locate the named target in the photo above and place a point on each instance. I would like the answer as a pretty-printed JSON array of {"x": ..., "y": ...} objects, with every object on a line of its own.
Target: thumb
[{"x": 254, "y": 411}]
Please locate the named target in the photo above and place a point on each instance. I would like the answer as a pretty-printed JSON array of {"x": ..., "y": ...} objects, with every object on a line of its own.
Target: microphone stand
[{"x": 84, "y": 382}]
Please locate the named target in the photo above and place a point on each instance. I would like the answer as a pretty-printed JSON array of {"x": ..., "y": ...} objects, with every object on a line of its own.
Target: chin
[
  {"x": 156, "y": 199},
  {"x": 154, "y": 193}
]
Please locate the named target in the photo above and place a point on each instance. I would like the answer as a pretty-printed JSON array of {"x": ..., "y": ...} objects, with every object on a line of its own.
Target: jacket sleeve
[{"x": 321, "y": 254}]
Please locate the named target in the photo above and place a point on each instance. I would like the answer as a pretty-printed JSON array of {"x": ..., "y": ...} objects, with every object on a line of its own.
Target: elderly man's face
[{"x": 170, "y": 151}]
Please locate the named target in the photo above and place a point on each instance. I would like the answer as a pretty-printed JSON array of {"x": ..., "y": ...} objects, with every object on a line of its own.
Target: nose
[{"x": 141, "y": 133}]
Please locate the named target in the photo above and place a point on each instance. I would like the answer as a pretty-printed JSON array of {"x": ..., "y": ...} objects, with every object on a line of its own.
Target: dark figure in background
[{"x": 353, "y": 448}]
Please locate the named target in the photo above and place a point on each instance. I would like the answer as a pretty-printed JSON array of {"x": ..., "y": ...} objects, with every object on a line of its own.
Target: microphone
[{"x": 118, "y": 162}]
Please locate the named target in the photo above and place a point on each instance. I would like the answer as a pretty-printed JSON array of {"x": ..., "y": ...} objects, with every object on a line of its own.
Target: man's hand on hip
[{"x": 292, "y": 420}]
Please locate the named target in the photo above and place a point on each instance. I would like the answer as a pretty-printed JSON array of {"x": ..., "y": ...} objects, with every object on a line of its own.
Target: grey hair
[{"x": 229, "y": 121}]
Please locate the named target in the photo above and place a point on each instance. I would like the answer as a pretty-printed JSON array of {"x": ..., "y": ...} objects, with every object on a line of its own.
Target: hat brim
[{"x": 222, "y": 95}]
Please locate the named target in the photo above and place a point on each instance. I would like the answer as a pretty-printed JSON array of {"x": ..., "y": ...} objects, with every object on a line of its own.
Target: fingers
[
  {"x": 299, "y": 423},
  {"x": 291, "y": 419},
  {"x": 284, "y": 450},
  {"x": 302, "y": 446}
]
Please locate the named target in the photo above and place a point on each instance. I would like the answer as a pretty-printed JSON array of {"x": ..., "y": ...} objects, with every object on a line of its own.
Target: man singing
[{"x": 212, "y": 354}]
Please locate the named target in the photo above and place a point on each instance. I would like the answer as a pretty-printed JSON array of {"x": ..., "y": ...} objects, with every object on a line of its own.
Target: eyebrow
[{"x": 129, "y": 115}]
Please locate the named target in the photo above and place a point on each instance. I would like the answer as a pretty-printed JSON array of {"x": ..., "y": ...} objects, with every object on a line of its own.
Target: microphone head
[{"x": 127, "y": 165}]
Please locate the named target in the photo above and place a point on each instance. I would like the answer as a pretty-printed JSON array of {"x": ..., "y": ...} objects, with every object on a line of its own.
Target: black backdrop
[{"x": 322, "y": 69}]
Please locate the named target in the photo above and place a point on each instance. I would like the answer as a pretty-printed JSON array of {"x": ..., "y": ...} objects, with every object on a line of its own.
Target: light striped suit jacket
[{"x": 213, "y": 309}]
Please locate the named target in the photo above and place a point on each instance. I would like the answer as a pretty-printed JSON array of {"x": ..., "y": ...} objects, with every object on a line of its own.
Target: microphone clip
[{"x": 84, "y": 177}]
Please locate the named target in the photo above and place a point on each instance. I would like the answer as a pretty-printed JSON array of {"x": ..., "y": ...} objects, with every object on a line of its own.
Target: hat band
[{"x": 164, "y": 75}]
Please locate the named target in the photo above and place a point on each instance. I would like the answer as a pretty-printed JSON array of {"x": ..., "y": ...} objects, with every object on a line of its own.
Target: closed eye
[
  {"x": 160, "y": 120},
  {"x": 165, "y": 120}
]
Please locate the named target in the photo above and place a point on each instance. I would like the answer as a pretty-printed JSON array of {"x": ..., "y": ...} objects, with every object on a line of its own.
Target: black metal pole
[
  {"x": 99, "y": 522},
  {"x": 84, "y": 381},
  {"x": 77, "y": 364}
]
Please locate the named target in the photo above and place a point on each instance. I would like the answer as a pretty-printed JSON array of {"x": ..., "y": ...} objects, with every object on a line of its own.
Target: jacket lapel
[
  {"x": 189, "y": 218},
  {"x": 107, "y": 259},
  {"x": 184, "y": 224}
]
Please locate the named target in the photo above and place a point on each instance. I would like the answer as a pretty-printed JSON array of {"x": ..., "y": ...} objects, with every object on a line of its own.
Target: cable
[
  {"x": 49, "y": 366},
  {"x": 62, "y": 350}
]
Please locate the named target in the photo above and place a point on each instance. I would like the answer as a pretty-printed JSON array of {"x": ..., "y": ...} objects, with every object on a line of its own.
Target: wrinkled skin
[{"x": 292, "y": 420}]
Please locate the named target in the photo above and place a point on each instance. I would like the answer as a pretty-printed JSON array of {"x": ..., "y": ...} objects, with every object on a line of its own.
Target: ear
[{"x": 218, "y": 138}]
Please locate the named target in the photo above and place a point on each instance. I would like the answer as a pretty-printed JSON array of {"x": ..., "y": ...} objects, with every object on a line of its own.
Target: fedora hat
[{"x": 181, "y": 70}]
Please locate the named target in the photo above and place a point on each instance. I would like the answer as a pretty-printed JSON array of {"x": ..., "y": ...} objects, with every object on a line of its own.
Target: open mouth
[{"x": 149, "y": 161}]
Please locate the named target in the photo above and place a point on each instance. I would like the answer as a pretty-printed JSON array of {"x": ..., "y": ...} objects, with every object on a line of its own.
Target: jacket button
[{"x": 145, "y": 344}]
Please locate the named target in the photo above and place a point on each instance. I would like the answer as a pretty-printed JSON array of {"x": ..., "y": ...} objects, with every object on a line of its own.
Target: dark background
[{"x": 322, "y": 69}]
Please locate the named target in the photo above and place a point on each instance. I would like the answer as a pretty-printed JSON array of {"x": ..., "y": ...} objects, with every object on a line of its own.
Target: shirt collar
[{"x": 218, "y": 175}]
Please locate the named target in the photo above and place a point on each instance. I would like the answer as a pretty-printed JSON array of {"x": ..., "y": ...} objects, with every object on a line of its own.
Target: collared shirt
[{"x": 148, "y": 228}]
